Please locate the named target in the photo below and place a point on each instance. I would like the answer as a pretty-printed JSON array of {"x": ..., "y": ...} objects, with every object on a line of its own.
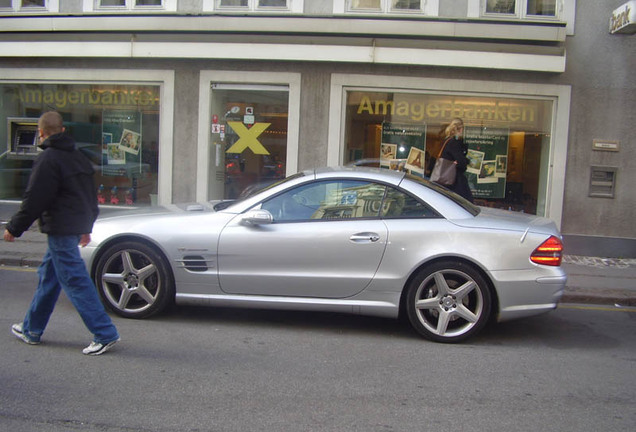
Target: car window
[
  {"x": 467, "y": 205},
  {"x": 328, "y": 200},
  {"x": 398, "y": 204}
]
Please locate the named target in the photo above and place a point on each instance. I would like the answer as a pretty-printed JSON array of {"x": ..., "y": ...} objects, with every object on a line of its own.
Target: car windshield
[{"x": 464, "y": 203}]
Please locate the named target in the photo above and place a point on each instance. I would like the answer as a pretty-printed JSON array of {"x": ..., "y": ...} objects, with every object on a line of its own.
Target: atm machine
[{"x": 22, "y": 138}]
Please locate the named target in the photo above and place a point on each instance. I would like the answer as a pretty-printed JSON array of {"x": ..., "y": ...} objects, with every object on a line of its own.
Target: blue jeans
[{"x": 63, "y": 268}]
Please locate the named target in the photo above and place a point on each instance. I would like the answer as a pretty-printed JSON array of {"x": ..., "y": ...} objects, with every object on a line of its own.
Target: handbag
[{"x": 445, "y": 170}]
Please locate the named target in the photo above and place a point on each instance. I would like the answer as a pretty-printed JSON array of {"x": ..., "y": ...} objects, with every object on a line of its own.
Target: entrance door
[{"x": 248, "y": 138}]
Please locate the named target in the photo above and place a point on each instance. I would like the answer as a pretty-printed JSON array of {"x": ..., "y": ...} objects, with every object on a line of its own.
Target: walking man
[{"x": 61, "y": 194}]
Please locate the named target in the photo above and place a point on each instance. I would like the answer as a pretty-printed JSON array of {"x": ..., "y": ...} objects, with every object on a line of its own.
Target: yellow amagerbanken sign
[{"x": 623, "y": 19}]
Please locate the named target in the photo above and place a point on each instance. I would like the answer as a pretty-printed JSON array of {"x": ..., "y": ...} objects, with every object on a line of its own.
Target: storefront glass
[
  {"x": 249, "y": 138},
  {"x": 508, "y": 139},
  {"x": 115, "y": 126}
]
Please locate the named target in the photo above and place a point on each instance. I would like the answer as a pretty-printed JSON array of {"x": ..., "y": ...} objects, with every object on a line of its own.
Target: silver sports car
[{"x": 356, "y": 240}]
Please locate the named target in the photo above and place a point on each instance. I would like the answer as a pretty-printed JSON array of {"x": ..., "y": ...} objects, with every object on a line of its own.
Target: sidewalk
[{"x": 591, "y": 280}]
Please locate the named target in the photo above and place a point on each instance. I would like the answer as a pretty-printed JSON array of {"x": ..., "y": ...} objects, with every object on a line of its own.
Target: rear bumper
[{"x": 528, "y": 292}]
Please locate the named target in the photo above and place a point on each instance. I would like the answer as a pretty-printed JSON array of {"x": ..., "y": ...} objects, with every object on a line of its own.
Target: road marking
[
  {"x": 615, "y": 308},
  {"x": 20, "y": 269}
]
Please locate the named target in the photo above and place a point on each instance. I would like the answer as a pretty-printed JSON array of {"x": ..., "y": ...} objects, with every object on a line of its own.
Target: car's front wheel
[
  {"x": 133, "y": 280},
  {"x": 448, "y": 301}
]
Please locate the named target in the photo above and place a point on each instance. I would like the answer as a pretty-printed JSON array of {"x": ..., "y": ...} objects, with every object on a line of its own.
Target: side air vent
[{"x": 194, "y": 263}]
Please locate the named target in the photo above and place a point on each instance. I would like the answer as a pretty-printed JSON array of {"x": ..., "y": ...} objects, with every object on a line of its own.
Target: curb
[
  {"x": 20, "y": 262},
  {"x": 615, "y": 299}
]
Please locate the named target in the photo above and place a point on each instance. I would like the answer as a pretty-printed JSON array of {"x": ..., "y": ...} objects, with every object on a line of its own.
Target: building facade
[{"x": 194, "y": 100}]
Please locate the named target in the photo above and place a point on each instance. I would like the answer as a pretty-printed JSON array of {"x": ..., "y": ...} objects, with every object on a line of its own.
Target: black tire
[
  {"x": 134, "y": 280},
  {"x": 448, "y": 302}
]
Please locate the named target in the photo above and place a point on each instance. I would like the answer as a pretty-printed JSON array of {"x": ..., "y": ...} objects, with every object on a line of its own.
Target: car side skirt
[{"x": 383, "y": 309}]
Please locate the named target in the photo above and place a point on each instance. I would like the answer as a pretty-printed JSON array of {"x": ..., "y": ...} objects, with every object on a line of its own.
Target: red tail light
[{"x": 548, "y": 253}]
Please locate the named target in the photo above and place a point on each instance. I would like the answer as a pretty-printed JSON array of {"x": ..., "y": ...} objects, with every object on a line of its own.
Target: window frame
[
  {"x": 50, "y": 6},
  {"x": 369, "y": 184},
  {"x": 162, "y": 78},
  {"x": 206, "y": 78},
  {"x": 521, "y": 12},
  {"x": 292, "y": 6},
  {"x": 427, "y": 8},
  {"x": 130, "y": 6},
  {"x": 559, "y": 94}
]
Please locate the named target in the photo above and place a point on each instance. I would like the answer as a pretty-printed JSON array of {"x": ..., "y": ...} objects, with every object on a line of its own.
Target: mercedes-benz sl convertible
[{"x": 353, "y": 240}]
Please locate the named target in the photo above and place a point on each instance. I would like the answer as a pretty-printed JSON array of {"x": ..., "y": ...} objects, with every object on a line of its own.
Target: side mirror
[{"x": 258, "y": 217}]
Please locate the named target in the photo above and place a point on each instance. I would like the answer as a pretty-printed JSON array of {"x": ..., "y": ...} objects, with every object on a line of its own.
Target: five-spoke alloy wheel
[
  {"x": 133, "y": 280},
  {"x": 448, "y": 302}
]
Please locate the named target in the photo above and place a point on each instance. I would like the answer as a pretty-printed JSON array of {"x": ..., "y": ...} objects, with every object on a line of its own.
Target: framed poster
[
  {"x": 121, "y": 133},
  {"x": 403, "y": 147},
  {"x": 488, "y": 161}
]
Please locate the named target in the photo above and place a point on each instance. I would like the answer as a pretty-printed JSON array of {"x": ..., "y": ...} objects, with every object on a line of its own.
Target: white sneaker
[
  {"x": 97, "y": 348},
  {"x": 17, "y": 330}
]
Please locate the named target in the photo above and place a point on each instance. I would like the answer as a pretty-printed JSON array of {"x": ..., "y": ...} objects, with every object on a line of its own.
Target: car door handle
[{"x": 365, "y": 237}]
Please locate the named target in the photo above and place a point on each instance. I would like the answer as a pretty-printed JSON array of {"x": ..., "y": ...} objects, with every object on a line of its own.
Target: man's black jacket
[{"x": 61, "y": 191}]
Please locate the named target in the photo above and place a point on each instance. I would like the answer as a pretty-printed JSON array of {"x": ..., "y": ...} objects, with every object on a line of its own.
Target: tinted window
[
  {"x": 328, "y": 200},
  {"x": 398, "y": 204},
  {"x": 464, "y": 203}
]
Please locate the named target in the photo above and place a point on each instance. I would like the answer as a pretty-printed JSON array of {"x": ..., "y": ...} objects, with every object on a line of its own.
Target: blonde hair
[
  {"x": 51, "y": 123},
  {"x": 454, "y": 126}
]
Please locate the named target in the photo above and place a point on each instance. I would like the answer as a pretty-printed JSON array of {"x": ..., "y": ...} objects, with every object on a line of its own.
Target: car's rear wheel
[
  {"x": 448, "y": 301},
  {"x": 133, "y": 280}
]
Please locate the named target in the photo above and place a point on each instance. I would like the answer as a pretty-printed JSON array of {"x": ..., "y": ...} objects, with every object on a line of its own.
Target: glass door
[{"x": 248, "y": 138}]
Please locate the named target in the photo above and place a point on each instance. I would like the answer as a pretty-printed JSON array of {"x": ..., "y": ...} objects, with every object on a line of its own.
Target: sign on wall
[{"x": 623, "y": 19}]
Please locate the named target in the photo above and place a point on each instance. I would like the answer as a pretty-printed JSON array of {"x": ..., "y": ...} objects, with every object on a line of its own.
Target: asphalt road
[{"x": 199, "y": 369}]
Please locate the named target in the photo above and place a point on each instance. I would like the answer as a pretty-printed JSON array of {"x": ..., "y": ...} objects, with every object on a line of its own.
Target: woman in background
[{"x": 456, "y": 150}]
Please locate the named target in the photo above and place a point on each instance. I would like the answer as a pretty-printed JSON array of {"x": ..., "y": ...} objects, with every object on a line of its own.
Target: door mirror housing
[{"x": 258, "y": 217}]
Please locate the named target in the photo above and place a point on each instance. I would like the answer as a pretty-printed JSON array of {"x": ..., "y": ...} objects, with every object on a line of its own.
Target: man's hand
[
  {"x": 85, "y": 239},
  {"x": 8, "y": 237}
]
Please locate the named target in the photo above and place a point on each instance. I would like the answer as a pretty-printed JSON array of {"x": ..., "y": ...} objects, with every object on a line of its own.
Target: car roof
[{"x": 383, "y": 175}]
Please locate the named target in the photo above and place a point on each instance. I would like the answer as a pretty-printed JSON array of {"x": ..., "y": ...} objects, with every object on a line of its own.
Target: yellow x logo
[{"x": 248, "y": 137}]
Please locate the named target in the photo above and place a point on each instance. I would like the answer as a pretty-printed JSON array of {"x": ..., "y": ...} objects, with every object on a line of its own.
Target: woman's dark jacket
[
  {"x": 61, "y": 191},
  {"x": 456, "y": 150}
]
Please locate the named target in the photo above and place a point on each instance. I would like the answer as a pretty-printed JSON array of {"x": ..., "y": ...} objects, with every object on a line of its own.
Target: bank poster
[
  {"x": 488, "y": 156},
  {"x": 121, "y": 140},
  {"x": 403, "y": 147}
]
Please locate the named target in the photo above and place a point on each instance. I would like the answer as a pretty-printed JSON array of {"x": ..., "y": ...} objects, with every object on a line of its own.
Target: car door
[{"x": 326, "y": 241}]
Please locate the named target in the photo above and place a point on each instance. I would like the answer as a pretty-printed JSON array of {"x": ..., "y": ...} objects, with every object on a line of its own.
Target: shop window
[
  {"x": 508, "y": 140},
  {"x": 248, "y": 138},
  {"x": 115, "y": 126}
]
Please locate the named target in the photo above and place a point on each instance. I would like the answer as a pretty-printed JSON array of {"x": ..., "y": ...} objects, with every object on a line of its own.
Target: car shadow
[
  {"x": 282, "y": 319},
  {"x": 552, "y": 330}
]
